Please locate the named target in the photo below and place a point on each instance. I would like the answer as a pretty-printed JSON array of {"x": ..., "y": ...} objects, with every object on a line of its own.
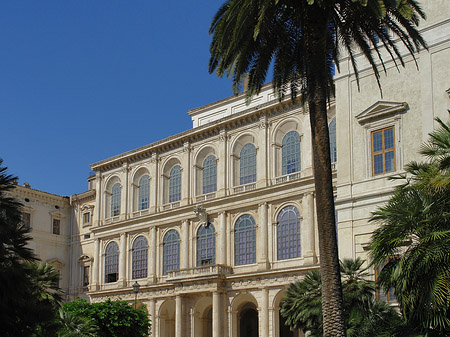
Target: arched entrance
[
  {"x": 280, "y": 329},
  {"x": 167, "y": 319},
  {"x": 248, "y": 321},
  {"x": 203, "y": 317}
]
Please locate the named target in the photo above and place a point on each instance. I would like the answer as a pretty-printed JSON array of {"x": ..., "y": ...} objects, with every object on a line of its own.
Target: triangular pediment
[{"x": 380, "y": 110}]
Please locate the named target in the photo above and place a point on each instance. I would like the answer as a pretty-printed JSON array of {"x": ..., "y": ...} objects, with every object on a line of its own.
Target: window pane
[
  {"x": 115, "y": 200},
  {"x": 144, "y": 192},
  {"x": 175, "y": 184},
  {"x": 389, "y": 161},
  {"x": 245, "y": 240},
  {"x": 171, "y": 251},
  {"x": 288, "y": 233},
  {"x": 26, "y": 219},
  {"x": 248, "y": 164},
  {"x": 56, "y": 226},
  {"x": 377, "y": 141},
  {"x": 388, "y": 138},
  {"x": 378, "y": 164},
  {"x": 206, "y": 245},
  {"x": 140, "y": 258},
  {"x": 209, "y": 174},
  {"x": 333, "y": 149},
  {"x": 111, "y": 262},
  {"x": 290, "y": 153}
]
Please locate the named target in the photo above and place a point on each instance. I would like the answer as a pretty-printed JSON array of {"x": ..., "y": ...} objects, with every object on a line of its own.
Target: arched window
[
  {"x": 139, "y": 258},
  {"x": 245, "y": 240},
  {"x": 332, "y": 131},
  {"x": 171, "y": 251},
  {"x": 209, "y": 174},
  {"x": 247, "y": 164},
  {"x": 290, "y": 153},
  {"x": 115, "y": 200},
  {"x": 111, "y": 262},
  {"x": 288, "y": 233},
  {"x": 175, "y": 184},
  {"x": 206, "y": 245},
  {"x": 144, "y": 192}
]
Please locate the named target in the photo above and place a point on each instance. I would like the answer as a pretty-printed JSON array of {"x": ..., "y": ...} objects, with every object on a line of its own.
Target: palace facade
[{"x": 215, "y": 222}]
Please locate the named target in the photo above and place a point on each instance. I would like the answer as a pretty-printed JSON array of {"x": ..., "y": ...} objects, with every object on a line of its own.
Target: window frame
[
  {"x": 175, "y": 183},
  {"x": 170, "y": 245},
  {"x": 139, "y": 258},
  {"x": 115, "y": 202},
  {"x": 244, "y": 228},
  {"x": 56, "y": 226},
  {"x": 286, "y": 157},
  {"x": 204, "y": 257},
  {"x": 383, "y": 150},
  {"x": 209, "y": 174},
  {"x": 143, "y": 195},
  {"x": 244, "y": 159},
  {"x": 113, "y": 260},
  {"x": 278, "y": 238}
]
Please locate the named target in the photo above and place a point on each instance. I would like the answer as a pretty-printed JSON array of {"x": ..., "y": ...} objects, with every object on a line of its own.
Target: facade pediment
[{"x": 380, "y": 110}]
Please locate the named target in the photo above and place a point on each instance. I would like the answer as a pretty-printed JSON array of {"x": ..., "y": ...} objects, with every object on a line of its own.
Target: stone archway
[
  {"x": 280, "y": 329},
  {"x": 203, "y": 317},
  {"x": 248, "y": 321},
  {"x": 167, "y": 319}
]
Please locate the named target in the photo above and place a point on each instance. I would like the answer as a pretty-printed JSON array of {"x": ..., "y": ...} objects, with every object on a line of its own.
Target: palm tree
[
  {"x": 302, "y": 39},
  {"x": 363, "y": 315},
  {"x": 76, "y": 326},
  {"x": 414, "y": 237}
]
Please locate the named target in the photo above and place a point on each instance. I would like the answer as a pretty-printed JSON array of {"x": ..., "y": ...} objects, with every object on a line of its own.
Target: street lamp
[{"x": 136, "y": 287}]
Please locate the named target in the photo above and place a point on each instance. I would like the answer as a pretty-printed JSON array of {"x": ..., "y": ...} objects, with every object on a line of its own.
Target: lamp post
[{"x": 136, "y": 287}]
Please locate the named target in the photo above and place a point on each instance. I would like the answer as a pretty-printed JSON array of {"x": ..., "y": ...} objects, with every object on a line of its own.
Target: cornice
[
  {"x": 40, "y": 195},
  {"x": 83, "y": 197},
  {"x": 208, "y": 130}
]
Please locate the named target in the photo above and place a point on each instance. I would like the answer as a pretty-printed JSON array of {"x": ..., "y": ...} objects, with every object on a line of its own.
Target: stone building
[{"x": 216, "y": 221}]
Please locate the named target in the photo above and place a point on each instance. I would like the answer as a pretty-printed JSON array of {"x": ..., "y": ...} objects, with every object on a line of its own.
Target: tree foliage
[
  {"x": 414, "y": 237},
  {"x": 364, "y": 317},
  {"x": 29, "y": 292},
  {"x": 301, "y": 40},
  {"x": 113, "y": 318}
]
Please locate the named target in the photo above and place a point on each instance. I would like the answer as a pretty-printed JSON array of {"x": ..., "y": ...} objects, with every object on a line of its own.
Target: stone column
[
  {"x": 95, "y": 264},
  {"x": 186, "y": 174},
  {"x": 185, "y": 244},
  {"x": 262, "y": 171},
  {"x": 222, "y": 247},
  {"x": 216, "y": 315},
  {"x": 122, "y": 259},
  {"x": 261, "y": 251},
  {"x": 307, "y": 234},
  {"x": 222, "y": 164},
  {"x": 152, "y": 251},
  {"x": 152, "y": 313},
  {"x": 98, "y": 200},
  {"x": 154, "y": 182},
  {"x": 179, "y": 316},
  {"x": 264, "y": 323},
  {"x": 124, "y": 193}
]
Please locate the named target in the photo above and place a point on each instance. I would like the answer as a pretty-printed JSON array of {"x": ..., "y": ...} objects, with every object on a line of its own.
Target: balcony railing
[
  {"x": 288, "y": 177},
  {"x": 140, "y": 213},
  {"x": 244, "y": 188},
  {"x": 111, "y": 220},
  {"x": 215, "y": 270},
  {"x": 172, "y": 205},
  {"x": 205, "y": 197}
]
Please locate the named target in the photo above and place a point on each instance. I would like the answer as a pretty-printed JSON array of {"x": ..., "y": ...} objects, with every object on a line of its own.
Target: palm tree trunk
[{"x": 315, "y": 40}]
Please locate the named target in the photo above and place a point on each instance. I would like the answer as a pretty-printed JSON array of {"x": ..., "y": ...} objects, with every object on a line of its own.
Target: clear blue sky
[{"x": 83, "y": 80}]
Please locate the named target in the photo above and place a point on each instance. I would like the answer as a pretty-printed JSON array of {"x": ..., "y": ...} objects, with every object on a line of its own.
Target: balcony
[
  {"x": 288, "y": 177},
  {"x": 244, "y": 188},
  {"x": 140, "y": 213},
  {"x": 211, "y": 271},
  {"x": 172, "y": 205},
  {"x": 112, "y": 220},
  {"x": 205, "y": 197}
]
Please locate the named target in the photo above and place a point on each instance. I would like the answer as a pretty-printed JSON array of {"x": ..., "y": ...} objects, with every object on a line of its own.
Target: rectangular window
[
  {"x": 56, "y": 228},
  {"x": 383, "y": 151},
  {"x": 26, "y": 219},
  {"x": 85, "y": 276},
  {"x": 380, "y": 294},
  {"x": 86, "y": 218}
]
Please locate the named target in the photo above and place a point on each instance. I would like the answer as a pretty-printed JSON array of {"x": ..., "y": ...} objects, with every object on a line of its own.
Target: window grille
[
  {"x": 175, "y": 184},
  {"x": 247, "y": 164},
  {"x": 245, "y": 240},
  {"x": 144, "y": 192},
  {"x": 209, "y": 174},
  {"x": 115, "y": 200},
  {"x": 206, "y": 245},
  {"x": 171, "y": 251},
  {"x": 332, "y": 132},
  {"x": 111, "y": 262},
  {"x": 288, "y": 233},
  {"x": 290, "y": 153},
  {"x": 139, "y": 258}
]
